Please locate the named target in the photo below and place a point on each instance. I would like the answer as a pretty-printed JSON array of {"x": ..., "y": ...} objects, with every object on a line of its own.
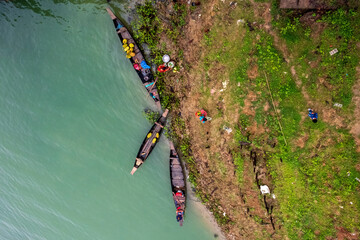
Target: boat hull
[
  {"x": 178, "y": 183},
  {"x": 145, "y": 75},
  {"x": 150, "y": 141}
]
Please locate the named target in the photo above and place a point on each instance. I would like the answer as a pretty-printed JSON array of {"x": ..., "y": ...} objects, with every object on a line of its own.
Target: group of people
[{"x": 202, "y": 115}]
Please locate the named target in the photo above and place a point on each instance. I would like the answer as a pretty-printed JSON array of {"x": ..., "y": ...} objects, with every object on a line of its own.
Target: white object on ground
[
  {"x": 240, "y": 21},
  {"x": 273, "y": 196},
  {"x": 264, "y": 189},
  {"x": 224, "y": 214},
  {"x": 357, "y": 179},
  {"x": 225, "y": 83},
  {"x": 338, "y": 105},
  {"x": 166, "y": 58},
  {"x": 332, "y": 52},
  {"x": 227, "y": 129}
]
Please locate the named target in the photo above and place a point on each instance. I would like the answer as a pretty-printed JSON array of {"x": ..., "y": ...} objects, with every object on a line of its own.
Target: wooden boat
[
  {"x": 150, "y": 141},
  {"x": 178, "y": 185},
  {"x": 145, "y": 74}
]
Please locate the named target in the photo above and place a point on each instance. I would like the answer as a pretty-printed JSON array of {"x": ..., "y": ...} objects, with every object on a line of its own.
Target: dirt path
[{"x": 355, "y": 126}]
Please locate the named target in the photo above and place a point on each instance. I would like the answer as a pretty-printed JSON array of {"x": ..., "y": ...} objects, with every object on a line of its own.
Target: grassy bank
[{"x": 257, "y": 71}]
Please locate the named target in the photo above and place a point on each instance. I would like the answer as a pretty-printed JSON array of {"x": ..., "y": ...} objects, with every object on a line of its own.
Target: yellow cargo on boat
[
  {"x": 149, "y": 135},
  {"x": 157, "y": 135},
  {"x": 124, "y": 40},
  {"x": 154, "y": 140},
  {"x": 132, "y": 54}
]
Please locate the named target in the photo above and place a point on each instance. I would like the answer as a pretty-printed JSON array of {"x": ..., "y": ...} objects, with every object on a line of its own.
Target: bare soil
[
  {"x": 355, "y": 126},
  {"x": 248, "y": 212}
]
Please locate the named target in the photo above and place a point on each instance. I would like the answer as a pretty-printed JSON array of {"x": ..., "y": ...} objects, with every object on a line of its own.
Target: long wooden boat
[
  {"x": 150, "y": 141},
  {"x": 178, "y": 185},
  {"x": 145, "y": 74}
]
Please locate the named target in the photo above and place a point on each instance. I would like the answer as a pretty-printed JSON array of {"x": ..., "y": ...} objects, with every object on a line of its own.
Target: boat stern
[
  {"x": 112, "y": 15},
  {"x": 165, "y": 113},
  {"x": 133, "y": 170}
]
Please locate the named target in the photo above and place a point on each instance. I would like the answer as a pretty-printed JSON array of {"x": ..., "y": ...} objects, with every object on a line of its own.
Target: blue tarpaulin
[
  {"x": 118, "y": 26},
  {"x": 144, "y": 65}
]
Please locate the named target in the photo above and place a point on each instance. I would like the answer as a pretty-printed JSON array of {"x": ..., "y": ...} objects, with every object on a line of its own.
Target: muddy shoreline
[{"x": 204, "y": 212}]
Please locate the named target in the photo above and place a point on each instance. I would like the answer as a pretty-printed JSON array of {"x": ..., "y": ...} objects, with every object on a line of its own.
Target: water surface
[{"x": 70, "y": 127}]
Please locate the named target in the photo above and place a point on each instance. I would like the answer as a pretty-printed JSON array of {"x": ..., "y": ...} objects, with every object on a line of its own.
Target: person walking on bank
[{"x": 313, "y": 115}]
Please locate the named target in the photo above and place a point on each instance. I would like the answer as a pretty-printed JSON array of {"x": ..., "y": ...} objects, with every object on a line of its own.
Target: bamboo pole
[{"x": 277, "y": 116}]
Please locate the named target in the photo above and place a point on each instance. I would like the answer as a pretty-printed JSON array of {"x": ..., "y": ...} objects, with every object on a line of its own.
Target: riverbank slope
[{"x": 256, "y": 69}]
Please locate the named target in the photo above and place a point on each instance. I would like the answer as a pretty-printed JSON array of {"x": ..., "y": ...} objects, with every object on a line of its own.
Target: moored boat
[
  {"x": 150, "y": 141},
  {"x": 178, "y": 185},
  {"x": 136, "y": 58}
]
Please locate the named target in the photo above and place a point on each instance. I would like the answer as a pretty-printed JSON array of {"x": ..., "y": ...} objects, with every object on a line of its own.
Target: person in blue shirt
[
  {"x": 313, "y": 115},
  {"x": 202, "y": 118}
]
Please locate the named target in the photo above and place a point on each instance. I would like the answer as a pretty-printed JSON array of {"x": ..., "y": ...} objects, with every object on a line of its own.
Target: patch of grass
[
  {"x": 291, "y": 30},
  {"x": 310, "y": 183},
  {"x": 239, "y": 163},
  {"x": 148, "y": 25},
  {"x": 338, "y": 70}
]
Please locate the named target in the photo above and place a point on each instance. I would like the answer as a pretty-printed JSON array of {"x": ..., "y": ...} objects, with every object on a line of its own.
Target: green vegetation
[
  {"x": 151, "y": 116},
  {"x": 311, "y": 182},
  {"x": 340, "y": 31},
  {"x": 177, "y": 22},
  {"x": 148, "y": 29}
]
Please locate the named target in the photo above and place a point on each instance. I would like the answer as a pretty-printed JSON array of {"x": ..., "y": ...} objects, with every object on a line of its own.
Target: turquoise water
[{"x": 70, "y": 127}]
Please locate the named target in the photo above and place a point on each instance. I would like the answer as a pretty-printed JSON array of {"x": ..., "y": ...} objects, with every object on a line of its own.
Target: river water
[{"x": 70, "y": 126}]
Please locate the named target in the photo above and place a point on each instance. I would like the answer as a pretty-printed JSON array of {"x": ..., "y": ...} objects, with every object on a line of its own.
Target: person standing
[
  {"x": 313, "y": 115},
  {"x": 202, "y": 115}
]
